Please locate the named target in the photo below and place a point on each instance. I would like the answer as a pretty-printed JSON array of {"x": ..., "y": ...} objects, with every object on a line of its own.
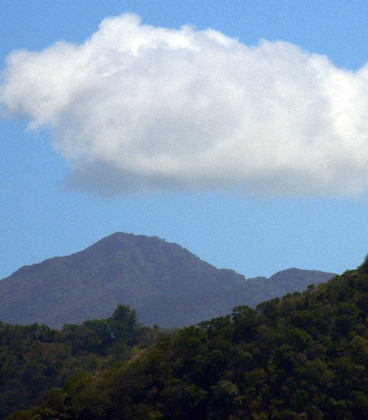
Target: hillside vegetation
[
  {"x": 36, "y": 358},
  {"x": 301, "y": 357}
]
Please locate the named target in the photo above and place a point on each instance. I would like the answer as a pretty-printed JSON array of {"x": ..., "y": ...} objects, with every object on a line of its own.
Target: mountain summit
[{"x": 164, "y": 282}]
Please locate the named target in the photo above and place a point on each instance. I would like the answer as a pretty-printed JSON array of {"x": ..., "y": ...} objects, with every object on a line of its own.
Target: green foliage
[
  {"x": 37, "y": 361},
  {"x": 363, "y": 268},
  {"x": 302, "y": 357}
]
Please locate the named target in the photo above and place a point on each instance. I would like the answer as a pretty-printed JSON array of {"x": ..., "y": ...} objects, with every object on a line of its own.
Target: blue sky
[{"x": 293, "y": 206}]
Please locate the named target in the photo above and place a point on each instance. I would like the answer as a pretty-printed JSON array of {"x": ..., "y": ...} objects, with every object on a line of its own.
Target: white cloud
[{"x": 140, "y": 107}]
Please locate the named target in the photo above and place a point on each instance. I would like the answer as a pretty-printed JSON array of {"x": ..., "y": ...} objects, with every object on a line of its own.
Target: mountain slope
[
  {"x": 304, "y": 356},
  {"x": 286, "y": 281},
  {"x": 167, "y": 285}
]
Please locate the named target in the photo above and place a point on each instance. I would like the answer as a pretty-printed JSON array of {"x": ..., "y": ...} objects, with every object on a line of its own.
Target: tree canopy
[{"x": 301, "y": 357}]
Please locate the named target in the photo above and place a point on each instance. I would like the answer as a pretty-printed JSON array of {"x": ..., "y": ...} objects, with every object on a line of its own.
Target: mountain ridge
[
  {"x": 166, "y": 283},
  {"x": 303, "y": 356}
]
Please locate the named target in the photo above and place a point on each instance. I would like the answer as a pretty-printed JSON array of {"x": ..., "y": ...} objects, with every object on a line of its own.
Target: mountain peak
[{"x": 164, "y": 282}]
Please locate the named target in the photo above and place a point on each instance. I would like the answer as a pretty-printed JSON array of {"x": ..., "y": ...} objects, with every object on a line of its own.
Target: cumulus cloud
[{"x": 141, "y": 107}]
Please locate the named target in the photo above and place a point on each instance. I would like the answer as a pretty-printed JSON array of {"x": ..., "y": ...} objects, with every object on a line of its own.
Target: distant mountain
[
  {"x": 286, "y": 281},
  {"x": 302, "y": 357},
  {"x": 164, "y": 282}
]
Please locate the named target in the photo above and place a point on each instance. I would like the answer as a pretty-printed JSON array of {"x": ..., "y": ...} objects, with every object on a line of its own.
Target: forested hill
[
  {"x": 302, "y": 357},
  {"x": 164, "y": 282},
  {"x": 36, "y": 359}
]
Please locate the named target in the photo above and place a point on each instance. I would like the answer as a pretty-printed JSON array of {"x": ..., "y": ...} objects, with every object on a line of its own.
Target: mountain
[
  {"x": 286, "y": 281},
  {"x": 301, "y": 357},
  {"x": 164, "y": 282}
]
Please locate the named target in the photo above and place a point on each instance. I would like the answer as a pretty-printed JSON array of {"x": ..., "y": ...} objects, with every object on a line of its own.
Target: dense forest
[
  {"x": 35, "y": 359},
  {"x": 301, "y": 357}
]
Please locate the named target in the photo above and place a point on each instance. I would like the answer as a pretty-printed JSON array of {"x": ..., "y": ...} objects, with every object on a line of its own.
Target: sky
[{"x": 237, "y": 129}]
